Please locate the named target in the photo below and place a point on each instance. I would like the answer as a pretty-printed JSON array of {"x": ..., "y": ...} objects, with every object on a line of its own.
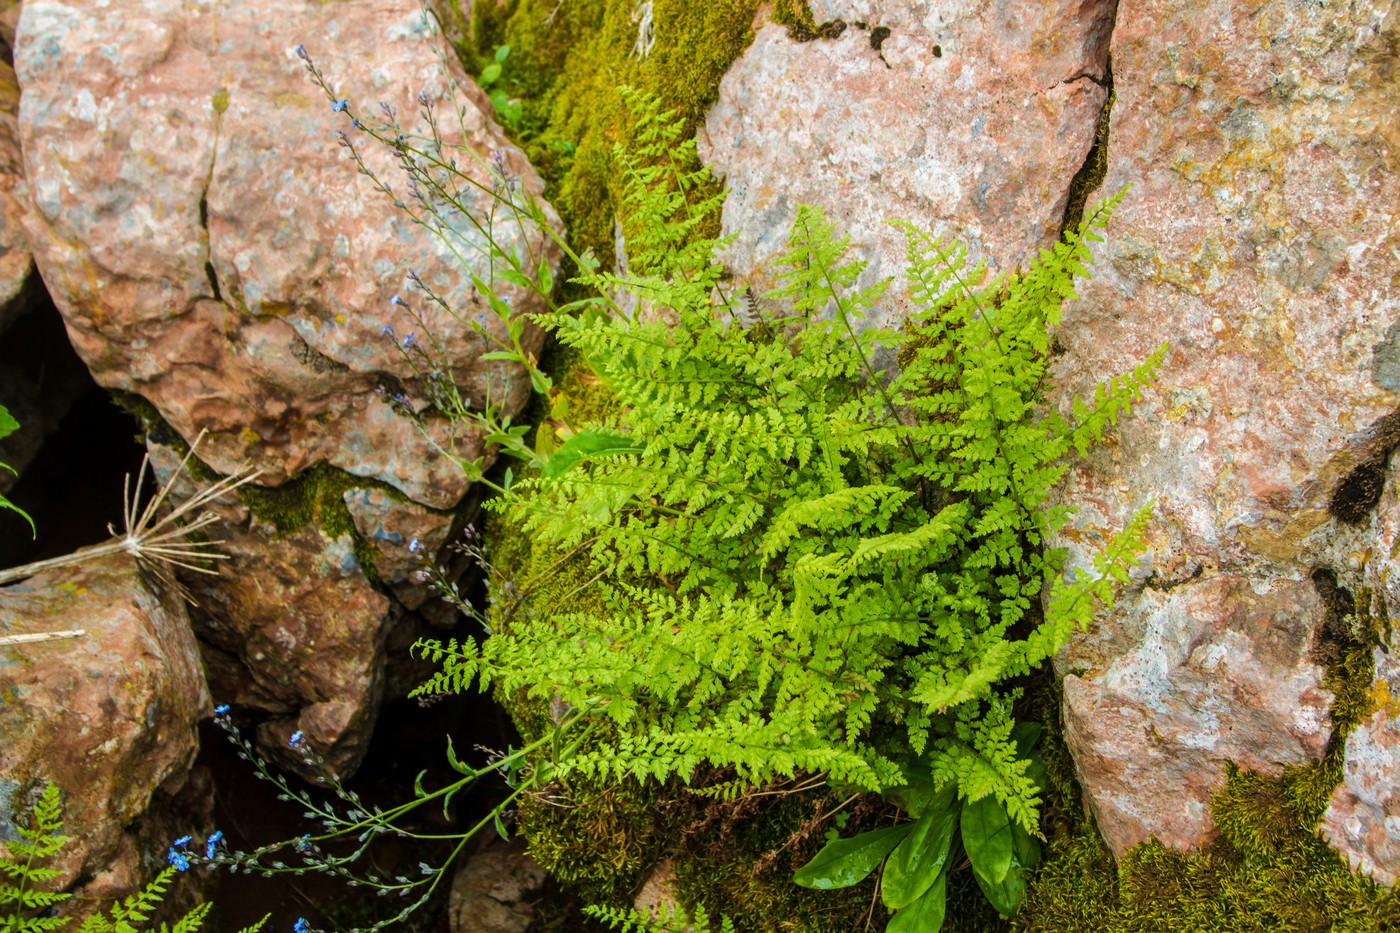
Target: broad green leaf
[
  {"x": 844, "y": 862},
  {"x": 925, "y": 915},
  {"x": 490, "y": 73},
  {"x": 515, "y": 278},
  {"x": 545, "y": 274},
  {"x": 1025, "y": 848},
  {"x": 986, "y": 835},
  {"x": 585, "y": 445},
  {"x": 502, "y": 52},
  {"x": 1006, "y": 896},
  {"x": 8, "y": 424},
  {"x": 1025, "y": 735},
  {"x": 918, "y": 861}
]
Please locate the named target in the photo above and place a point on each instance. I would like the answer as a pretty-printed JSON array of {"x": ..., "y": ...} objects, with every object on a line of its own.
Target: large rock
[
  {"x": 20, "y": 287},
  {"x": 1259, "y": 238},
  {"x": 967, "y": 118},
  {"x": 110, "y": 717},
  {"x": 494, "y": 891},
  {"x": 212, "y": 247},
  {"x": 308, "y": 630}
]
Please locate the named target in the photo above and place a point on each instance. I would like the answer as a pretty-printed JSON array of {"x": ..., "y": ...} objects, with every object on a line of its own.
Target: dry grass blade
[
  {"x": 158, "y": 542},
  {"x": 33, "y": 637}
]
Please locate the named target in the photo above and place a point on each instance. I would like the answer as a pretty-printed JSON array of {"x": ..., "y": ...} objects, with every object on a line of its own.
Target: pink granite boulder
[
  {"x": 1259, "y": 240},
  {"x": 968, "y": 119},
  {"x": 110, "y": 717},
  {"x": 213, "y": 249}
]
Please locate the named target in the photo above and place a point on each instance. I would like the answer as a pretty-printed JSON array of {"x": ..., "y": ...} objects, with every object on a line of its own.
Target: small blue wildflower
[
  {"x": 301, "y": 926},
  {"x": 340, "y": 105},
  {"x": 296, "y": 739},
  {"x": 409, "y": 342},
  {"x": 213, "y": 844},
  {"x": 300, "y": 50},
  {"x": 182, "y": 841},
  {"x": 388, "y": 331},
  {"x": 356, "y": 124},
  {"x": 179, "y": 860},
  {"x": 400, "y": 397},
  {"x": 414, "y": 545},
  {"x": 302, "y": 843},
  {"x": 221, "y": 710},
  {"x": 396, "y": 300}
]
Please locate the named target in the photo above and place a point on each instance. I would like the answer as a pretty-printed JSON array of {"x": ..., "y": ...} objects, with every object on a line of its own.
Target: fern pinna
[{"x": 812, "y": 558}]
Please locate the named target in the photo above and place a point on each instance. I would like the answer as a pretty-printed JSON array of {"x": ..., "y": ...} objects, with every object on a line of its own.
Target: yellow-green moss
[
  {"x": 567, "y": 61},
  {"x": 737, "y": 859}
]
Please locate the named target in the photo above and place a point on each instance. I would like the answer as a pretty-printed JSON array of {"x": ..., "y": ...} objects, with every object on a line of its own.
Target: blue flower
[
  {"x": 340, "y": 105},
  {"x": 221, "y": 709},
  {"x": 301, "y": 926},
  {"x": 302, "y": 843},
  {"x": 397, "y": 300},
  {"x": 300, "y": 50},
  {"x": 388, "y": 331},
  {"x": 213, "y": 844},
  {"x": 179, "y": 859},
  {"x": 409, "y": 342},
  {"x": 414, "y": 545},
  {"x": 296, "y": 739}
]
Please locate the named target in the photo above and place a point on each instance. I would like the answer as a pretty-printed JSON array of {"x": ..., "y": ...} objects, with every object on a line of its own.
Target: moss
[
  {"x": 567, "y": 61},
  {"x": 802, "y": 26},
  {"x": 737, "y": 858},
  {"x": 1091, "y": 174}
]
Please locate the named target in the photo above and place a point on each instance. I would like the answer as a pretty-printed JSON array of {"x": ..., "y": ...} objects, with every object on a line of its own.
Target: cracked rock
[
  {"x": 1258, "y": 240},
  {"x": 967, "y": 119},
  {"x": 196, "y": 220}
]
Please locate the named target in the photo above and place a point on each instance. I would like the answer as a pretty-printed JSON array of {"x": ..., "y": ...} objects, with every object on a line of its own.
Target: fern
[
  {"x": 24, "y": 872},
  {"x": 21, "y": 899},
  {"x": 666, "y": 919},
  {"x": 812, "y": 559}
]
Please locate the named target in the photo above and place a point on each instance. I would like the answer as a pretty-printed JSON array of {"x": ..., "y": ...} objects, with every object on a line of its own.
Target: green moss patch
[{"x": 566, "y": 63}]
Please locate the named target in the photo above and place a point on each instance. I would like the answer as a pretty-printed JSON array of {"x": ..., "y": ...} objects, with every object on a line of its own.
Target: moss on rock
[{"x": 566, "y": 63}]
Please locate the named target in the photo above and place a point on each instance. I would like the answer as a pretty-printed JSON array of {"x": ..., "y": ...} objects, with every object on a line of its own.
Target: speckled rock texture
[
  {"x": 212, "y": 247},
  {"x": 1214, "y": 672},
  {"x": 967, "y": 118},
  {"x": 406, "y": 536},
  {"x": 19, "y": 282},
  {"x": 1260, "y": 239},
  {"x": 493, "y": 891},
  {"x": 110, "y": 717},
  {"x": 308, "y": 630}
]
